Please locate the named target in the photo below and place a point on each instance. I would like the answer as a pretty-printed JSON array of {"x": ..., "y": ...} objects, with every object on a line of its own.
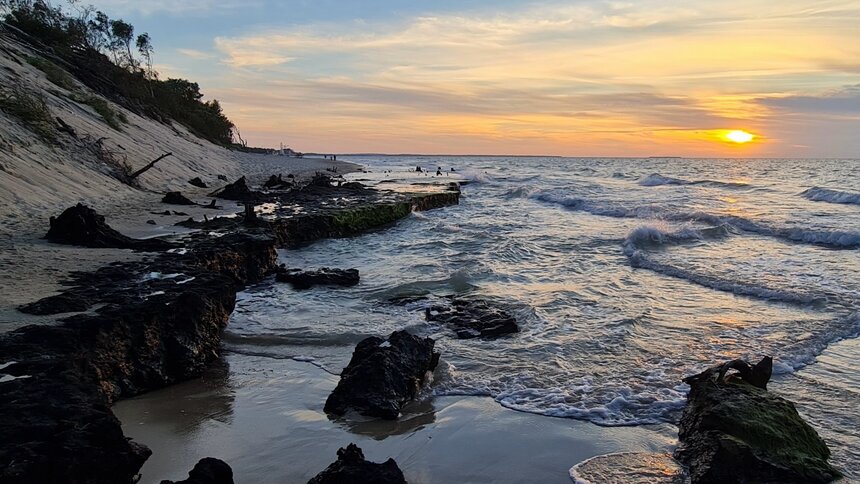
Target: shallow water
[{"x": 625, "y": 275}]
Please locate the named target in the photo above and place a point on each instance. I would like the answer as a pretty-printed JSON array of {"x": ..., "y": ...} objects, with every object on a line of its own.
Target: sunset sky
[{"x": 577, "y": 78}]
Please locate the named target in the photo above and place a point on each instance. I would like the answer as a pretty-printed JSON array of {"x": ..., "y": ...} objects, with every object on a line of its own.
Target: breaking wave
[
  {"x": 819, "y": 194},
  {"x": 656, "y": 179},
  {"x": 837, "y": 239}
]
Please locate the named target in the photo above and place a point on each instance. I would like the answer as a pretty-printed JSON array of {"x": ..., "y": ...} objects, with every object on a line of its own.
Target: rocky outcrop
[
  {"x": 383, "y": 375},
  {"x": 351, "y": 467},
  {"x": 176, "y": 198},
  {"x": 160, "y": 323},
  {"x": 238, "y": 190},
  {"x": 197, "y": 182},
  {"x": 322, "y": 277},
  {"x": 277, "y": 182},
  {"x": 83, "y": 226},
  {"x": 472, "y": 318},
  {"x": 303, "y": 229},
  {"x": 734, "y": 432},
  {"x": 208, "y": 471}
]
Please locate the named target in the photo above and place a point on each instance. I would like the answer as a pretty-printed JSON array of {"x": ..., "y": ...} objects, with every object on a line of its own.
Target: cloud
[
  {"x": 844, "y": 101},
  {"x": 195, "y": 54},
  {"x": 557, "y": 75}
]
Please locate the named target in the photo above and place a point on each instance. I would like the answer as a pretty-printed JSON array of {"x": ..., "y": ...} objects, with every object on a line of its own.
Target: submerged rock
[
  {"x": 351, "y": 467},
  {"x": 83, "y": 226},
  {"x": 176, "y": 198},
  {"x": 383, "y": 375},
  {"x": 322, "y": 277},
  {"x": 208, "y": 471},
  {"x": 472, "y": 318},
  {"x": 733, "y": 432}
]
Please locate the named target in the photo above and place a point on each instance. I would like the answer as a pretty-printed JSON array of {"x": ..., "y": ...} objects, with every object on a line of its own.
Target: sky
[{"x": 574, "y": 78}]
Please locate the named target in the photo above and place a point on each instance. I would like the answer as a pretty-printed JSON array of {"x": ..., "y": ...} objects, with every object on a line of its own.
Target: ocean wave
[
  {"x": 656, "y": 179},
  {"x": 836, "y": 239},
  {"x": 819, "y": 194},
  {"x": 802, "y": 353},
  {"x": 640, "y": 260},
  {"x": 655, "y": 235}
]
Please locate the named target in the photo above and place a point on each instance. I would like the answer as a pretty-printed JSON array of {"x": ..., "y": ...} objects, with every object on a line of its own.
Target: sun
[{"x": 739, "y": 136}]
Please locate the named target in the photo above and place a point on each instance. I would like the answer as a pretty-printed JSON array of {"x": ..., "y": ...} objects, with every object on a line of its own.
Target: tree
[
  {"x": 144, "y": 46},
  {"x": 123, "y": 32}
]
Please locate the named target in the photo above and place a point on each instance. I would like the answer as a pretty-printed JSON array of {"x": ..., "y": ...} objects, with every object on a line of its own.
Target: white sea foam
[{"x": 819, "y": 194}]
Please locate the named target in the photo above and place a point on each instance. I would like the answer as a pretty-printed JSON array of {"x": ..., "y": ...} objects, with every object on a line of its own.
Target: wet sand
[{"x": 264, "y": 417}]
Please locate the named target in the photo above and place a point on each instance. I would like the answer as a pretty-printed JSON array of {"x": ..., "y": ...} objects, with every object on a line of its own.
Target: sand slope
[{"x": 39, "y": 179}]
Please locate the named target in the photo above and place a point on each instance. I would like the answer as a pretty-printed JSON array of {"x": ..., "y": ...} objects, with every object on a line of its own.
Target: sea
[{"x": 625, "y": 275}]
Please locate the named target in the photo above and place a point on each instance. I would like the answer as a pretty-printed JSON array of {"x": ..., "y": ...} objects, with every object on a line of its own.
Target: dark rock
[
  {"x": 756, "y": 375},
  {"x": 471, "y": 318},
  {"x": 58, "y": 428},
  {"x": 322, "y": 277},
  {"x": 197, "y": 182},
  {"x": 182, "y": 214},
  {"x": 83, "y": 226},
  {"x": 351, "y": 468},
  {"x": 353, "y": 186},
  {"x": 222, "y": 177},
  {"x": 734, "y": 432},
  {"x": 61, "y": 303},
  {"x": 176, "y": 198},
  {"x": 238, "y": 190},
  {"x": 276, "y": 182},
  {"x": 151, "y": 222},
  {"x": 320, "y": 180},
  {"x": 383, "y": 375},
  {"x": 208, "y": 471}
]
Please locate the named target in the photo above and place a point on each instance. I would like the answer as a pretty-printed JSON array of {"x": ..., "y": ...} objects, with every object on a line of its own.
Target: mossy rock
[
  {"x": 735, "y": 432},
  {"x": 357, "y": 220}
]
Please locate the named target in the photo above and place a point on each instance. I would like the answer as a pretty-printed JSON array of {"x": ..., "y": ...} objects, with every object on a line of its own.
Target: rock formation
[
  {"x": 472, "y": 318},
  {"x": 322, "y": 277},
  {"x": 351, "y": 467},
  {"x": 83, "y": 226},
  {"x": 176, "y": 198},
  {"x": 734, "y": 432},
  {"x": 383, "y": 375},
  {"x": 208, "y": 471}
]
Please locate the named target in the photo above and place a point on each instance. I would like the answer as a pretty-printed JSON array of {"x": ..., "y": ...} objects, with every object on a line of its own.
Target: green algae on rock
[{"x": 734, "y": 432}]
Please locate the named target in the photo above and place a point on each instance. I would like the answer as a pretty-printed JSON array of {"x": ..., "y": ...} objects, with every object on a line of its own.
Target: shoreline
[
  {"x": 136, "y": 326},
  {"x": 252, "y": 409}
]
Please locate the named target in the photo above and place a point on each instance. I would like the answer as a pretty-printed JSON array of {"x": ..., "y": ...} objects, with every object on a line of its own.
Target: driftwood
[
  {"x": 756, "y": 375},
  {"x": 147, "y": 167},
  {"x": 65, "y": 128}
]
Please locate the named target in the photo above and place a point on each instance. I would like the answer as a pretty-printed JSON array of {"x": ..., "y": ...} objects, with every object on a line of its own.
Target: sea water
[{"x": 625, "y": 275}]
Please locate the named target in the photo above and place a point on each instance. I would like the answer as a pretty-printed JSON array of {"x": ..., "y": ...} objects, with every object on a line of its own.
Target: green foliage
[
  {"x": 112, "y": 117},
  {"x": 100, "y": 51},
  {"x": 54, "y": 73},
  {"x": 30, "y": 108}
]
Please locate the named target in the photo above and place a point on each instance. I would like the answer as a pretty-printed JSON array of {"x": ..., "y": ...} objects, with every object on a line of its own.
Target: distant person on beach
[
  {"x": 452, "y": 169},
  {"x": 439, "y": 171},
  {"x": 418, "y": 169}
]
